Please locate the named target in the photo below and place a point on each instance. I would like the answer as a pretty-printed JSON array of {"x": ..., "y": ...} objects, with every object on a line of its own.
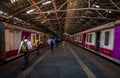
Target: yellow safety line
[{"x": 82, "y": 64}]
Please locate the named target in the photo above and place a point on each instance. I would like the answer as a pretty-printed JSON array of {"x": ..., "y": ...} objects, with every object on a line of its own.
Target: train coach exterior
[
  {"x": 11, "y": 37},
  {"x": 107, "y": 42},
  {"x": 103, "y": 44},
  {"x": 104, "y": 40}
]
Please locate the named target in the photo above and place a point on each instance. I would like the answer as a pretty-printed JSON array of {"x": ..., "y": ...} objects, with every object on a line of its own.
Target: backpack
[
  {"x": 51, "y": 42},
  {"x": 24, "y": 47}
]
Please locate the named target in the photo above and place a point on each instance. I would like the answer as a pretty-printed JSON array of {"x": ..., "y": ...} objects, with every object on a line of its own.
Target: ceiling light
[
  {"x": 95, "y": 6},
  {"x": 83, "y": 16},
  {"x": 16, "y": 18},
  {"x": 48, "y": 13},
  {"x": 1, "y": 12},
  {"x": 10, "y": 16},
  {"x": 45, "y": 3},
  {"x": 30, "y": 11},
  {"x": 13, "y": 1},
  {"x": 43, "y": 21},
  {"x": 38, "y": 17},
  {"x": 109, "y": 11}
]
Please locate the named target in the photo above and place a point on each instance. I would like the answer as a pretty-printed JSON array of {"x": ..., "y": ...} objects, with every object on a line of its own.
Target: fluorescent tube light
[
  {"x": 30, "y": 11},
  {"x": 13, "y": 1},
  {"x": 97, "y": 6},
  {"x": 43, "y": 21},
  {"x": 45, "y": 3}
]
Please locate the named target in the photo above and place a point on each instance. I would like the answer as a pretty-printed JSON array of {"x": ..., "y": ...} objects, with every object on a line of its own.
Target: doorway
[{"x": 2, "y": 42}]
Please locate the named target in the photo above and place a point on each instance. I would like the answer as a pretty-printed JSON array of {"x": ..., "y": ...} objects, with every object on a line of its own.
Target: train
[
  {"x": 103, "y": 40},
  {"x": 12, "y": 35}
]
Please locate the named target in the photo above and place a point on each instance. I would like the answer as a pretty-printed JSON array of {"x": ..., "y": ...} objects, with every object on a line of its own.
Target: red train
[
  {"x": 104, "y": 40},
  {"x": 10, "y": 39}
]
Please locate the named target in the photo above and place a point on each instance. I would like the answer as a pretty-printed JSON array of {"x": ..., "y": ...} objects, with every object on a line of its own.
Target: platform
[{"x": 66, "y": 61}]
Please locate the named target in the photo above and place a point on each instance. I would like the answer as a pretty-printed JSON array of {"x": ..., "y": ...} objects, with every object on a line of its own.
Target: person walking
[
  {"x": 52, "y": 42},
  {"x": 48, "y": 41},
  {"x": 56, "y": 42},
  {"x": 37, "y": 43},
  {"x": 25, "y": 47}
]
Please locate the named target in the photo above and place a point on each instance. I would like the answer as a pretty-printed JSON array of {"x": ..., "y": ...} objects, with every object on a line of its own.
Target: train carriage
[
  {"x": 11, "y": 36},
  {"x": 104, "y": 39}
]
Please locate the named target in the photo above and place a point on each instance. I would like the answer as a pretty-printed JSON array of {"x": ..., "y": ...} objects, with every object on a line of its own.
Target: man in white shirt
[
  {"x": 48, "y": 41},
  {"x": 26, "y": 54}
]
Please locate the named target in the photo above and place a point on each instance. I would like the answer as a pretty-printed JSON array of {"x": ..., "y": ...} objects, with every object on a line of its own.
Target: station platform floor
[{"x": 66, "y": 61}]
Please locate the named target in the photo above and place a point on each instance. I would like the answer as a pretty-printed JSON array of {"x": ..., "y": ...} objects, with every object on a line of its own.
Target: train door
[
  {"x": 2, "y": 42},
  {"x": 24, "y": 33},
  {"x": 83, "y": 39},
  {"x": 37, "y": 36},
  {"x": 97, "y": 43}
]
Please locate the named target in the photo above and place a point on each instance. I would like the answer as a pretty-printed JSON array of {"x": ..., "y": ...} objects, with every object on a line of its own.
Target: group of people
[
  {"x": 25, "y": 47},
  {"x": 52, "y": 41}
]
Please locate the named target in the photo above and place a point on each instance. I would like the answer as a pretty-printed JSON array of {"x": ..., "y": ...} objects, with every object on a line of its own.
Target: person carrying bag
[{"x": 25, "y": 47}]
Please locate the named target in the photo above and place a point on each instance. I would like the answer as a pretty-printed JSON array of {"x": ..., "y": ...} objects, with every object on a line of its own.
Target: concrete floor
[{"x": 67, "y": 61}]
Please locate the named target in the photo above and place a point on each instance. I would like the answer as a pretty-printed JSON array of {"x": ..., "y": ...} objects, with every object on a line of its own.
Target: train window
[
  {"x": 41, "y": 38},
  {"x": 37, "y": 36},
  {"x": 72, "y": 38},
  {"x": 75, "y": 37},
  {"x": 90, "y": 38},
  {"x": 78, "y": 37},
  {"x": 33, "y": 38},
  {"x": 87, "y": 37},
  {"x": 11, "y": 40},
  {"x": 81, "y": 37},
  {"x": 107, "y": 35}
]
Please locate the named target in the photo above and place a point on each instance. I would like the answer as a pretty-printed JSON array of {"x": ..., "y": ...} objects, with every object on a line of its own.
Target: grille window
[
  {"x": 107, "y": 35},
  {"x": 80, "y": 37},
  {"x": 33, "y": 38},
  {"x": 87, "y": 37}
]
